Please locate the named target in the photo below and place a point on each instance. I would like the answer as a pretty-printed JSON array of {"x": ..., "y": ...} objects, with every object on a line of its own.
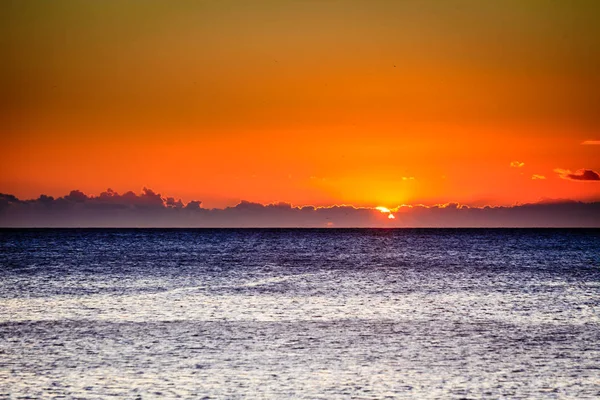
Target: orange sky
[{"x": 357, "y": 102}]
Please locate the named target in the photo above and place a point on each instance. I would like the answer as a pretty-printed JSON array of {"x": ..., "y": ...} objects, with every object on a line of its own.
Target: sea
[{"x": 300, "y": 313}]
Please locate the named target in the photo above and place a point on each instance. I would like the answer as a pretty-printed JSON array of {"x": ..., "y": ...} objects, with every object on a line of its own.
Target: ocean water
[{"x": 313, "y": 314}]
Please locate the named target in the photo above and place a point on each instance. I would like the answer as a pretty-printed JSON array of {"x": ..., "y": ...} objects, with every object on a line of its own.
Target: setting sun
[{"x": 386, "y": 210}]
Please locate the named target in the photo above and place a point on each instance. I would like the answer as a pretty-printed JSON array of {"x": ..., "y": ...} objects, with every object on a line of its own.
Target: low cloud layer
[
  {"x": 580, "y": 175},
  {"x": 150, "y": 209}
]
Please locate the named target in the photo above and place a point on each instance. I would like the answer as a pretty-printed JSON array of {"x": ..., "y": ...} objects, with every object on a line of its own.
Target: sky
[{"x": 363, "y": 103}]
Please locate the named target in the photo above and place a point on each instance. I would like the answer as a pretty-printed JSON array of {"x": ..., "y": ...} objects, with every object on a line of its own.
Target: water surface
[{"x": 277, "y": 313}]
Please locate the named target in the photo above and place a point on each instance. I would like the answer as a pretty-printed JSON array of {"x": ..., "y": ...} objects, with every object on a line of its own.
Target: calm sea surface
[{"x": 300, "y": 313}]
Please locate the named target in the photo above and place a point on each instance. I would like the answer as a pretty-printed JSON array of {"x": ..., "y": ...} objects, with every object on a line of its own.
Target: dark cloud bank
[
  {"x": 584, "y": 175},
  {"x": 150, "y": 209},
  {"x": 580, "y": 175}
]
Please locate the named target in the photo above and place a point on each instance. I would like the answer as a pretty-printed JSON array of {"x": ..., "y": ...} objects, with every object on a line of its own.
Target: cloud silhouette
[
  {"x": 76, "y": 196},
  {"x": 537, "y": 177},
  {"x": 172, "y": 203},
  {"x": 580, "y": 175},
  {"x": 150, "y": 209},
  {"x": 193, "y": 205}
]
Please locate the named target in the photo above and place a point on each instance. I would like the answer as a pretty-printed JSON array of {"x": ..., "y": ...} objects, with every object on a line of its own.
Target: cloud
[
  {"x": 8, "y": 200},
  {"x": 517, "y": 164},
  {"x": 150, "y": 209},
  {"x": 172, "y": 203},
  {"x": 76, "y": 196},
  {"x": 193, "y": 205},
  {"x": 536, "y": 177},
  {"x": 591, "y": 142},
  {"x": 579, "y": 175}
]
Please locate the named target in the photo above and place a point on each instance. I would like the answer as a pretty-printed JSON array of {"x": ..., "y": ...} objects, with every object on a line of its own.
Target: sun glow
[{"x": 386, "y": 210}]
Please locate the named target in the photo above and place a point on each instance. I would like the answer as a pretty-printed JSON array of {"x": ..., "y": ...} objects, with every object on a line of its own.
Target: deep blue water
[{"x": 302, "y": 313}]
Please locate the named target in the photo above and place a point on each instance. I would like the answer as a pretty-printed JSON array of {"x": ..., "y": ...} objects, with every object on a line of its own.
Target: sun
[{"x": 386, "y": 210}]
